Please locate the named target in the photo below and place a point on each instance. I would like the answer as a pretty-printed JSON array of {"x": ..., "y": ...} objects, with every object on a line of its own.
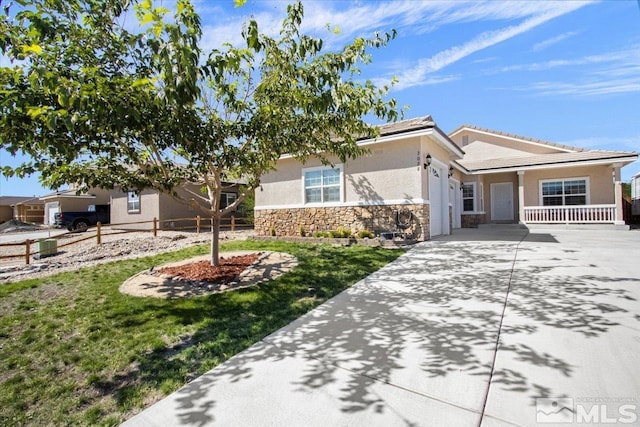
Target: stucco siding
[
  {"x": 389, "y": 172},
  {"x": 483, "y": 146},
  {"x": 149, "y": 208},
  {"x": 600, "y": 183}
]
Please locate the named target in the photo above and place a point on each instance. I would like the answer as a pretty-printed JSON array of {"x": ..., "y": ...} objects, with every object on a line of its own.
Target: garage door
[
  {"x": 435, "y": 200},
  {"x": 52, "y": 209}
]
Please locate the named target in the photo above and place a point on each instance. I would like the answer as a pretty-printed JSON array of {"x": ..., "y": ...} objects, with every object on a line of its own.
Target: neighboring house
[
  {"x": 635, "y": 195},
  {"x": 403, "y": 182},
  {"x": 72, "y": 201},
  {"x": 25, "y": 209},
  {"x": 470, "y": 177},
  {"x": 511, "y": 178},
  {"x": 136, "y": 210}
]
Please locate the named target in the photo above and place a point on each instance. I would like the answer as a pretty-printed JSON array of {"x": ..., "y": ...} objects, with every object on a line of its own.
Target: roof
[
  {"x": 67, "y": 194},
  {"x": 415, "y": 125},
  {"x": 597, "y": 156},
  {"x": 515, "y": 136},
  {"x": 408, "y": 125},
  {"x": 14, "y": 200}
]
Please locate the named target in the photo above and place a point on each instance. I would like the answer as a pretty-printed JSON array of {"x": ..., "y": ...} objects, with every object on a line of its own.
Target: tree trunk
[{"x": 215, "y": 241}]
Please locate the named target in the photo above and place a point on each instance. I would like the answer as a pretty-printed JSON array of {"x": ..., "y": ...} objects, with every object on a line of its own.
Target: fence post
[
  {"x": 198, "y": 224},
  {"x": 233, "y": 223},
  {"x": 155, "y": 227},
  {"x": 27, "y": 251},
  {"x": 98, "y": 236}
]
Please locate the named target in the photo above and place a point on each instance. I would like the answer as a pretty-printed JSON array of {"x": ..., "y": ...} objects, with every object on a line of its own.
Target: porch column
[
  {"x": 521, "y": 197},
  {"x": 617, "y": 187}
]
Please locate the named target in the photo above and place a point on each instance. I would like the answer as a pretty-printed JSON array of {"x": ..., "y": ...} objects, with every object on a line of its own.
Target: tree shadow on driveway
[{"x": 428, "y": 324}]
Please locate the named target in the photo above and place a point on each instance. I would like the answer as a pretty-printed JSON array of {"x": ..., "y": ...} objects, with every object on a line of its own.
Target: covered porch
[{"x": 568, "y": 201}]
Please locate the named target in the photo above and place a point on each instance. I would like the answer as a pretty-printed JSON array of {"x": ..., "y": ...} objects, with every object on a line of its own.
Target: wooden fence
[{"x": 200, "y": 224}]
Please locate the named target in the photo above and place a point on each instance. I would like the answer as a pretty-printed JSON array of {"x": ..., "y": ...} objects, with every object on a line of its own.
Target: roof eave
[{"x": 624, "y": 160}]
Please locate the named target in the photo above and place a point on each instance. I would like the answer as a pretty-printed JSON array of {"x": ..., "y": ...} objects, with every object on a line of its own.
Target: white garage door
[
  {"x": 435, "y": 200},
  {"x": 52, "y": 209}
]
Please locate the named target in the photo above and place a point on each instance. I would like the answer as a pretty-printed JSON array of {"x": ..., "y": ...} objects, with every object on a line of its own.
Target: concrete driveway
[{"x": 490, "y": 327}]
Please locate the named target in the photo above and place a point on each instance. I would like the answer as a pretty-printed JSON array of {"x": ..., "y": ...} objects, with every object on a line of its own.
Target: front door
[{"x": 502, "y": 201}]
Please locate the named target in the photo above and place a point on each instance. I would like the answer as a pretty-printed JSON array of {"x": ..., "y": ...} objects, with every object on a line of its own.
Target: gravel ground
[{"x": 114, "y": 247}]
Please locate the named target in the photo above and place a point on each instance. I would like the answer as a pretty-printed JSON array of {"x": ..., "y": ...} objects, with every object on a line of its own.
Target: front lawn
[{"x": 73, "y": 350}]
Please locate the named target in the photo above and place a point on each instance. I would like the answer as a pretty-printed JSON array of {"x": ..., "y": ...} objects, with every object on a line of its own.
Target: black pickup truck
[{"x": 80, "y": 221}]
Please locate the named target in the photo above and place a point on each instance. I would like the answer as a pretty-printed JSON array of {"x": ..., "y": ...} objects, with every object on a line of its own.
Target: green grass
[{"x": 74, "y": 350}]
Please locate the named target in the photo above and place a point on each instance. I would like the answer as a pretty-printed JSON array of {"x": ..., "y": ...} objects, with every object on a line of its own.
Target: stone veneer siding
[
  {"x": 472, "y": 220},
  {"x": 376, "y": 218}
]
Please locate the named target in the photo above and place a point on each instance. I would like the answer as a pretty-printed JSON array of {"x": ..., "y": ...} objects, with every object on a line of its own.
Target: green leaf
[{"x": 239, "y": 3}]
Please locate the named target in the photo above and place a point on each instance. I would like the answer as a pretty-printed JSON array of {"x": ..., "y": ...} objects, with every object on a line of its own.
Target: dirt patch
[{"x": 189, "y": 277}]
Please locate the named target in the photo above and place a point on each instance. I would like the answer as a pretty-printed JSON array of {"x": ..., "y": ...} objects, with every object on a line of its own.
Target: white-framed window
[
  {"x": 469, "y": 197},
  {"x": 133, "y": 202},
  {"x": 323, "y": 184},
  {"x": 227, "y": 199},
  {"x": 564, "y": 192}
]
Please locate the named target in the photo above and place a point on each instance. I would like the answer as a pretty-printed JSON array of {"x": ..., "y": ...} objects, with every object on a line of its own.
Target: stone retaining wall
[
  {"x": 472, "y": 220},
  {"x": 379, "y": 219}
]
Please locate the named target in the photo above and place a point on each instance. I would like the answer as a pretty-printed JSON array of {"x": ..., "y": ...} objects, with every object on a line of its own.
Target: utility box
[{"x": 47, "y": 247}]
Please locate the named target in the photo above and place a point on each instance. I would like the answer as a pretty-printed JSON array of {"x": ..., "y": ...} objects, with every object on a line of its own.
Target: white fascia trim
[
  {"x": 420, "y": 132},
  {"x": 555, "y": 165},
  {"x": 459, "y": 168},
  {"x": 67, "y": 197},
  {"x": 346, "y": 204},
  {"x": 448, "y": 145},
  {"x": 566, "y": 150},
  {"x": 382, "y": 139}
]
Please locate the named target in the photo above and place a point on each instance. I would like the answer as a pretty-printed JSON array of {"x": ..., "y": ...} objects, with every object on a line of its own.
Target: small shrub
[
  {"x": 272, "y": 231},
  {"x": 366, "y": 234},
  {"x": 340, "y": 233},
  {"x": 301, "y": 231},
  {"x": 320, "y": 234}
]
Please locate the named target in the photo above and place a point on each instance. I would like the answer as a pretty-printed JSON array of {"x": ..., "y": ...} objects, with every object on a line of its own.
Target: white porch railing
[{"x": 586, "y": 214}]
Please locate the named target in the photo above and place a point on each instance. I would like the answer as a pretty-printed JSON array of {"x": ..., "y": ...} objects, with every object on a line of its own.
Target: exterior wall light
[
  {"x": 427, "y": 161},
  {"x": 450, "y": 171}
]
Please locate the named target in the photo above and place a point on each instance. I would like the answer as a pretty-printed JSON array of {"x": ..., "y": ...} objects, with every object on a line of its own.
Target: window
[
  {"x": 227, "y": 199},
  {"x": 561, "y": 192},
  {"x": 322, "y": 185},
  {"x": 468, "y": 197},
  {"x": 133, "y": 201}
]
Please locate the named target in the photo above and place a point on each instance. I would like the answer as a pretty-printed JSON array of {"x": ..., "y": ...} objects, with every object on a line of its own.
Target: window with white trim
[
  {"x": 133, "y": 202},
  {"x": 469, "y": 197},
  {"x": 564, "y": 192},
  {"x": 227, "y": 199},
  {"x": 322, "y": 184}
]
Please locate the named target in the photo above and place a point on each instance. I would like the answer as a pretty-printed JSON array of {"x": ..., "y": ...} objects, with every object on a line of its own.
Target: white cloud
[
  {"x": 449, "y": 56},
  {"x": 610, "y": 73},
  {"x": 554, "y": 40}
]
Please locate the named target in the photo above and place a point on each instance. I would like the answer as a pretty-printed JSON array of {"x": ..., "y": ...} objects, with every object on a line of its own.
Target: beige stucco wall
[
  {"x": 149, "y": 209},
  {"x": 389, "y": 172},
  {"x": 600, "y": 183},
  {"x": 483, "y": 146}
]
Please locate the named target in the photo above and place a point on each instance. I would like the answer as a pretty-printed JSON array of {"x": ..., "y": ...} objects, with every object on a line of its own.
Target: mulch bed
[{"x": 202, "y": 271}]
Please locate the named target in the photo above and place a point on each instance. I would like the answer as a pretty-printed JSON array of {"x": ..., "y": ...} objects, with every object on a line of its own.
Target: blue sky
[{"x": 566, "y": 72}]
